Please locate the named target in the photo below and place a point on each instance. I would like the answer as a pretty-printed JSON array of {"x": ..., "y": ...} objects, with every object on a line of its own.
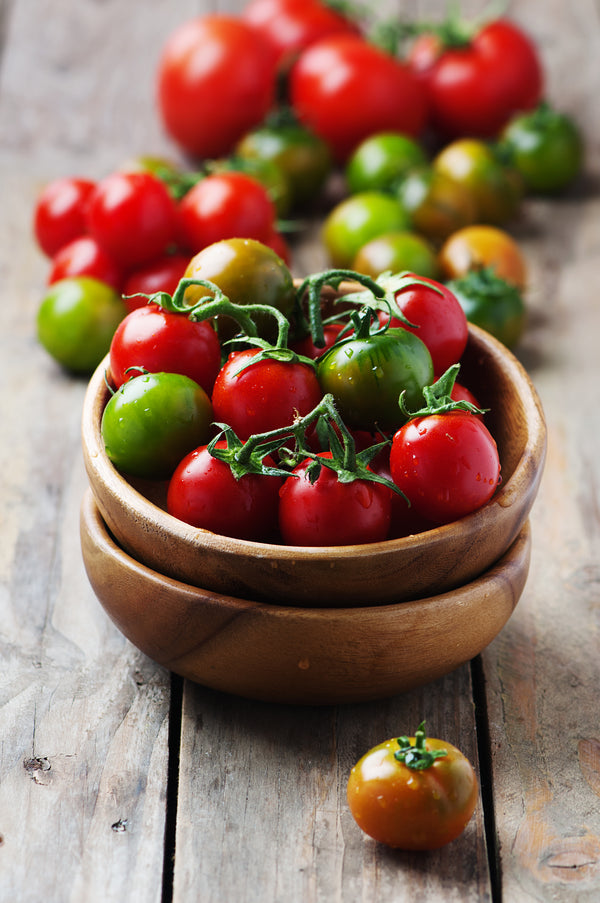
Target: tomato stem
[
  {"x": 417, "y": 756},
  {"x": 438, "y": 398}
]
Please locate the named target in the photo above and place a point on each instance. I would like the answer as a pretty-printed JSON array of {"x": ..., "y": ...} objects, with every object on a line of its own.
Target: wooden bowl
[
  {"x": 423, "y": 564},
  {"x": 299, "y": 655}
]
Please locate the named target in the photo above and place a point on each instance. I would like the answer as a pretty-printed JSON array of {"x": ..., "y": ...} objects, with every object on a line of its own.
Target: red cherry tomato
[
  {"x": 158, "y": 340},
  {"x": 225, "y": 205},
  {"x": 204, "y": 493},
  {"x": 328, "y": 512},
  {"x": 345, "y": 89},
  {"x": 447, "y": 465},
  {"x": 133, "y": 216},
  {"x": 161, "y": 275},
  {"x": 216, "y": 81},
  {"x": 85, "y": 257},
  {"x": 292, "y": 25},
  {"x": 474, "y": 89},
  {"x": 265, "y": 395},
  {"x": 60, "y": 213},
  {"x": 439, "y": 320}
]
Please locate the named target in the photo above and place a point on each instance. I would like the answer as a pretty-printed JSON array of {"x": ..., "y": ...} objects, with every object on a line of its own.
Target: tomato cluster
[{"x": 274, "y": 418}]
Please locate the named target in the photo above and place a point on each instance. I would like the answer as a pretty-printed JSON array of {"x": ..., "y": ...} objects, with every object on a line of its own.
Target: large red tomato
[
  {"x": 216, "y": 81},
  {"x": 345, "y": 90},
  {"x": 474, "y": 88}
]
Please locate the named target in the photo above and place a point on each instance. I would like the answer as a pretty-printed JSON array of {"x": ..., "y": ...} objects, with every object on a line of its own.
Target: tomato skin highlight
[
  {"x": 331, "y": 513},
  {"x": 446, "y": 464},
  {"x": 158, "y": 340},
  {"x": 265, "y": 395},
  {"x": 215, "y": 81},
  {"x": 408, "y": 809},
  {"x": 204, "y": 493}
]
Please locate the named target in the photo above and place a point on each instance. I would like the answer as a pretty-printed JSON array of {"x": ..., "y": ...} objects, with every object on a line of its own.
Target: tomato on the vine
[
  {"x": 152, "y": 421},
  {"x": 255, "y": 397},
  {"x": 132, "y": 216},
  {"x": 345, "y": 89},
  {"x": 413, "y": 793},
  {"x": 60, "y": 213},
  {"x": 476, "y": 79},
  {"x": 85, "y": 257},
  {"x": 446, "y": 464},
  {"x": 159, "y": 340},
  {"x": 215, "y": 81},
  {"x": 225, "y": 205},
  {"x": 329, "y": 512},
  {"x": 76, "y": 321},
  {"x": 204, "y": 492}
]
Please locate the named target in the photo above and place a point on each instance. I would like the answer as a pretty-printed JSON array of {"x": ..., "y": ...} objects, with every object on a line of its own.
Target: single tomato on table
[
  {"x": 478, "y": 247},
  {"x": 413, "y": 793},
  {"x": 358, "y": 219},
  {"x": 382, "y": 160}
]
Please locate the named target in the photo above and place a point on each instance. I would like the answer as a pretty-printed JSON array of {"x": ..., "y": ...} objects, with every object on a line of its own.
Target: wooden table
[{"x": 119, "y": 781}]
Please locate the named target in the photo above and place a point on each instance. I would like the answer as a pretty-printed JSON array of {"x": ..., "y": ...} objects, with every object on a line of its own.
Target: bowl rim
[{"x": 143, "y": 508}]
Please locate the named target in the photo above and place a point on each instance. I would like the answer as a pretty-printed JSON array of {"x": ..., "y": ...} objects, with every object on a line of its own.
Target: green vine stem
[
  {"x": 438, "y": 398},
  {"x": 417, "y": 756}
]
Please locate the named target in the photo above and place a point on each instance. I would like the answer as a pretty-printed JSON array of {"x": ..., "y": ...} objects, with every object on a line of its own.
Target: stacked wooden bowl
[{"x": 318, "y": 625}]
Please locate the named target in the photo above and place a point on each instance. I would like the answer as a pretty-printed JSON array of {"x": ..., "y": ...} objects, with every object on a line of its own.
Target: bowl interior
[
  {"x": 423, "y": 564},
  {"x": 298, "y": 655}
]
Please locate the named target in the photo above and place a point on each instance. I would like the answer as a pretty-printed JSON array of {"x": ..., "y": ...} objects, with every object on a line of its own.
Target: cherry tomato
[
  {"x": 153, "y": 421},
  {"x": 225, "y": 205},
  {"x": 345, "y": 89},
  {"x": 476, "y": 247},
  {"x": 447, "y": 465},
  {"x": 76, "y": 321},
  {"x": 356, "y": 220},
  {"x": 438, "y": 320},
  {"x": 265, "y": 395},
  {"x": 475, "y": 85},
  {"x": 85, "y": 257},
  {"x": 161, "y": 275},
  {"x": 304, "y": 158},
  {"x": 158, "y": 340},
  {"x": 367, "y": 375},
  {"x": 413, "y": 793},
  {"x": 291, "y": 26},
  {"x": 496, "y": 189},
  {"x": 60, "y": 213},
  {"x": 329, "y": 512},
  {"x": 247, "y": 272},
  {"x": 215, "y": 81},
  {"x": 381, "y": 161},
  {"x": 492, "y": 303},
  {"x": 394, "y": 252},
  {"x": 132, "y": 216},
  {"x": 546, "y": 147},
  {"x": 437, "y": 204},
  {"x": 204, "y": 493},
  {"x": 267, "y": 173}
]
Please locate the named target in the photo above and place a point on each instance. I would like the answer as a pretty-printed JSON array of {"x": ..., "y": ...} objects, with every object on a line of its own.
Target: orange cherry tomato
[
  {"x": 413, "y": 793},
  {"x": 478, "y": 247}
]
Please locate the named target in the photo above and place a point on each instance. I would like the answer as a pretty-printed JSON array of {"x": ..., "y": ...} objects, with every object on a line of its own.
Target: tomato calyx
[
  {"x": 392, "y": 284},
  {"x": 454, "y": 31},
  {"x": 417, "y": 756},
  {"x": 485, "y": 282},
  {"x": 438, "y": 398}
]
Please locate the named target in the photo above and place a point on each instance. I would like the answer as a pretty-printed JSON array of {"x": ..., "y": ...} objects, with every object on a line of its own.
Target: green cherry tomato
[
  {"x": 546, "y": 147},
  {"x": 356, "y": 220},
  {"x": 304, "y": 158},
  {"x": 381, "y": 161},
  {"x": 153, "y": 421},
  {"x": 367, "y": 375},
  {"x": 395, "y": 252},
  {"x": 492, "y": 303},
  {"x": 248, "y": 272},
  {"x": 495, "y": 187},
  {"x": 77, "y": 320},
  {"x": 436, "y": 203}
]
